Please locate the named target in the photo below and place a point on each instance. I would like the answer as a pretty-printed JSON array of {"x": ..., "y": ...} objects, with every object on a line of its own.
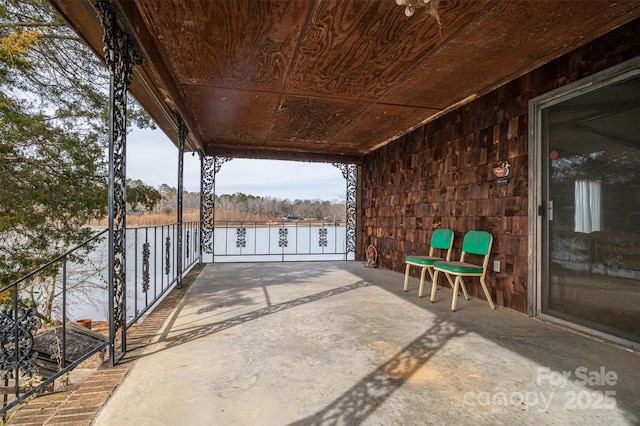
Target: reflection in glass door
[{"x": 591, "y": 198}]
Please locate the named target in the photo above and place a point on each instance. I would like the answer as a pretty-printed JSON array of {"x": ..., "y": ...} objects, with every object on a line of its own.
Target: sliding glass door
[{"x": 590, "y": 207}]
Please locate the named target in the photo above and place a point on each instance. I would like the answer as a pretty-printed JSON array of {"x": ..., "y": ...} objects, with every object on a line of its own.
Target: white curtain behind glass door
[{"x": 588, "y": 206}]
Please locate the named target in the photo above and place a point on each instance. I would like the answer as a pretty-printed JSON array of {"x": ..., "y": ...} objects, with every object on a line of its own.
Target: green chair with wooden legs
[
  {"x": 442, "y": 239},
  {"x": 477, "y": 243}
]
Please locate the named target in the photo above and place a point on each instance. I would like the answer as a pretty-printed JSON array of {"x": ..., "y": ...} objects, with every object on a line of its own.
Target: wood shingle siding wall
[{"x": 440, "y": 174}]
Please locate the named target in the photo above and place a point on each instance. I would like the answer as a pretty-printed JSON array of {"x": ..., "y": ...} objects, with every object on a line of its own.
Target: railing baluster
[
  {"x": 155, "y": 262},
  {"x": 16, "y": 342},
  {"x": 226, "y": 239},
  {"x": 161, "y": 259},
  {"x": 135, "y": 271},
  {"x": 63, "y": 354},
  {"x": 146, "y": 280}
]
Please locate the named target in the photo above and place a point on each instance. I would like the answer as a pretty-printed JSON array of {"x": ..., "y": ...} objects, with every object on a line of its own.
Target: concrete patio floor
[{"x": 337, "y": 343}]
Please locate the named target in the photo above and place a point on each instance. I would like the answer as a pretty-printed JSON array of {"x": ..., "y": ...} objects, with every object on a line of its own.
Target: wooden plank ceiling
[{"x": 329, "y": 80}]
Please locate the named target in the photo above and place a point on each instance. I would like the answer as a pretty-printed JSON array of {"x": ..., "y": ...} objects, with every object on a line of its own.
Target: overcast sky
[{"x": 152, "y": 158}]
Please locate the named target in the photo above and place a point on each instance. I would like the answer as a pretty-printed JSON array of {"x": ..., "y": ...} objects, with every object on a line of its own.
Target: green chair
[
  {"x": 442, "y": 239},
  {"x": 477, "y": 243}
]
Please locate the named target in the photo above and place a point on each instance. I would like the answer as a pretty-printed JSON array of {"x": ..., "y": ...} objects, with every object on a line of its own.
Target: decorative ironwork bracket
[
  {"x": 209, "y": 167},
  {"x": 241, "y": 237},
  {"x": 16, "y": 343},
  {"x": 283, "y": 237},
  {"x": 146, "y": 279},
  {"x": 322, "y": 237},
  {"x": 167, "y": 255},
  {"x": 350, "y": 173},
  {"x": 187, "y": 243}
]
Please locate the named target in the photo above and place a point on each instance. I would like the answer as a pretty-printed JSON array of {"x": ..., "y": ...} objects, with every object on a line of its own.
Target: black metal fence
[
  {"x": 57, "y": 317},
  {"x": 279, "y": 241},
  {"x": 35, "y": 332},
  {"x": 152, "y": 252}
]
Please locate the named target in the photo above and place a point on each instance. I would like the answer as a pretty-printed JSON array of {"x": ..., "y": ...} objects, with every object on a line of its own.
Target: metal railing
[
  {"x": 153, "y": 252},
  {"x": 36, "y": 350},
  {"x": 279, "y": 241},
  {"x": 20, "y": 361}
]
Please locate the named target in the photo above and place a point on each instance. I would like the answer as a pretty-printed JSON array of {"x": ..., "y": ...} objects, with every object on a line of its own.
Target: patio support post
[
  {"x": 121, "y": 57},
  {"x": 182, "y": 137},
  {"x": 210, "y": 166},
  {"x": 359, "y": 247},
  {"x": 207, "y": 204},
  {"x": 350, "y": 173},
  {"x": 202, "y": 201}
]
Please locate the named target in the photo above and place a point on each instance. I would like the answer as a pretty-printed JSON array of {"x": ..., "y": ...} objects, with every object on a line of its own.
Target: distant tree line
[
  {"x": 274, "y": 207},
  {"x": 164, "y": 200}
]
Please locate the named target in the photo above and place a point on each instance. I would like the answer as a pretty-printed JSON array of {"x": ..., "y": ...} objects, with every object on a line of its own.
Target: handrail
[
  {"x": 51, "y": 262},
  {"x": 149, "y": 277}
]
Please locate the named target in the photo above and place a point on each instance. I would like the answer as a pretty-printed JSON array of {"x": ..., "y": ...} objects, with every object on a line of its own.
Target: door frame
[{"x": 536, "y": 240}]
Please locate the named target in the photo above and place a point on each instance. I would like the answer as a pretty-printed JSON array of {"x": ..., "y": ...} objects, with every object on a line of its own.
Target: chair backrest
[
  {"x": 479, "y": 243},
  {"x": 442, "y": 239}
]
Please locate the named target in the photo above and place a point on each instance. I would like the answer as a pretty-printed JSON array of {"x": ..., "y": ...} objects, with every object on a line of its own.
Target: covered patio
[
  {"x": 339, "y": 343},
  {"x": 417, "y": 112}
]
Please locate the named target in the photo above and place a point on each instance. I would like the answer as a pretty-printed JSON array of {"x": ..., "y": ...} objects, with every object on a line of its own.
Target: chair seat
[
  {"x": 441, "y": 240},
  {"x": 459, "y": 268},
  {"x": 477, "y": 243},
  {"x": 422, "y": 260}
]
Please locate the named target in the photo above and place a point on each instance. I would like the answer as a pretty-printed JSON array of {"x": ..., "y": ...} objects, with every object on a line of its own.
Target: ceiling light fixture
[{"x": 412, "y": 5}]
